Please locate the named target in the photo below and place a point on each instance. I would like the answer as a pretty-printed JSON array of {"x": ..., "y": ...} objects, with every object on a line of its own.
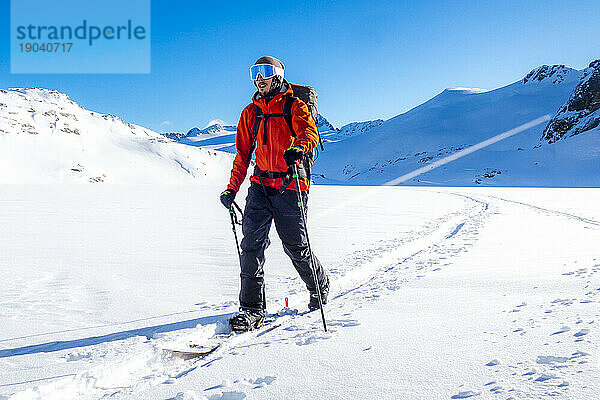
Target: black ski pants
[{"x": 263, "y": 205}]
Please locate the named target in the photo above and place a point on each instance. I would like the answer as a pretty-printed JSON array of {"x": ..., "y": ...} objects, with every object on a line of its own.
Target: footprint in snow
[
  {"x": 551, "y": 359},
  {"x": 261, "y": 382},
  {"x": 187, "y": 395},
  {"x": 191, "y": 395},
  {"x": 561, "y": 330},
  {"x": 465, "y": 394},
  {"x": 77, "y": 356},
  {"x": 344, "y": 322},
  {"x": 492, "y": 363},
  {"x": 228, "y": 396},
  {"x": 304, "y": 339},
  {"x": 496, "y": 389},
  {"x": 545, "y": 377},
  {"x": 579, "y": 354},
  {"x": 582, "y": 332},
  {"x": 562, "y": 302}
]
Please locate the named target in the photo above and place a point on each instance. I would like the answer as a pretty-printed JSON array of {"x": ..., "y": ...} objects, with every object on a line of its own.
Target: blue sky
[{"x": 367, "y": 60}]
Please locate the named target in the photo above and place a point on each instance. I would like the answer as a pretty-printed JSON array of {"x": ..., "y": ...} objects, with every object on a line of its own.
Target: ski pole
[
  {"x": 312, "y": 257},
  {"x": 234, "y": 221}
]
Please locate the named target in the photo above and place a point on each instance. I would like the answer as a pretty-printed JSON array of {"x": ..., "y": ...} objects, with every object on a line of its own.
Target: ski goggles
[{"x": 265, "y": 70}]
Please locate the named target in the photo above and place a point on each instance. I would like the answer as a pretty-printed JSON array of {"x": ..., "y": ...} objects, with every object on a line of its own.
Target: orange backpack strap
[
  {"x": 258, "y": 115},
  {"x": 287, "y": 113}
]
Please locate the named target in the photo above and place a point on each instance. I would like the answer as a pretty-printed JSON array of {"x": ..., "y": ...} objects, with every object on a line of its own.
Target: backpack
[{"x": 309, "y": 96}]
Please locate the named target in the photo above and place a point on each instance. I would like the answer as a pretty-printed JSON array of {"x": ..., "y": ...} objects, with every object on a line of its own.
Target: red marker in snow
[{"x": 286, "y": 302}]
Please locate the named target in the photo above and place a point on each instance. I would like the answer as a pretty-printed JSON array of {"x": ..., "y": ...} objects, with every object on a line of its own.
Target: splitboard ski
[
  {"x": 196, "y": 351},
  {"x": 193, "y": 352}
]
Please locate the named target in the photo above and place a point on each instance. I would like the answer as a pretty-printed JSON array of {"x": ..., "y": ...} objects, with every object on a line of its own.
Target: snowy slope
[
  {"x": 461, "y": 117},
  {"x": 479, "y": 293},
  {"x": 46, "y": 137}
]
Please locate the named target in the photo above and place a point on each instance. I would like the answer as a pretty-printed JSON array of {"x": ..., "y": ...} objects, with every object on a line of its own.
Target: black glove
[
  {"x": 292, "y": 155},
  {"x": 227, "y": 197}
]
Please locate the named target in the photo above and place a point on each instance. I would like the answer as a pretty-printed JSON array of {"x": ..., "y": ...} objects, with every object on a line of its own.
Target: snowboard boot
[
  {"x": 246, "y": 320},
  {"x": 313, "y": 303}
]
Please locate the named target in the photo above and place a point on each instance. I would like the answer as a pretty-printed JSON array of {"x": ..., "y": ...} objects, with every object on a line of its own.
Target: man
[{"x": 271, "y": 195}]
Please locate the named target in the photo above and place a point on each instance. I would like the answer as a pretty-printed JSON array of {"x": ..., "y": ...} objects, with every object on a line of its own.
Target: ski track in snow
[
  {"x": 357, "y": 278},
  {"x": 548, "y": 376},
  {"x": 361, "y": 277},
  {"x": 551, "y": 212}
]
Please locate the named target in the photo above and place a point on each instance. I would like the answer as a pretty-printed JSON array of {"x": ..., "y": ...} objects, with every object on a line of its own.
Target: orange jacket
[{"x": 269, "y": 156}]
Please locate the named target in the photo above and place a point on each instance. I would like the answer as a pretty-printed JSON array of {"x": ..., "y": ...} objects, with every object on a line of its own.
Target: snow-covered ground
[{"x": 437, "y": 293}]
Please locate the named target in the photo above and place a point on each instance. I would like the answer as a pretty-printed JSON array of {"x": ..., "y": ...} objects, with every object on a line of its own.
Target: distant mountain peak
[
  {"x": 323, "y": 125},
  {"x": 550, "y": 73},
  {"x": 209, "y": 130},
  {"x": 358, "y": 128},
  {"x": 49, "y": 96}
]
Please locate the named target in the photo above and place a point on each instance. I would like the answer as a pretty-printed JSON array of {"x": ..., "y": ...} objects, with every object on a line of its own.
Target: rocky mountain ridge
[{"x": 581, "y": 112}]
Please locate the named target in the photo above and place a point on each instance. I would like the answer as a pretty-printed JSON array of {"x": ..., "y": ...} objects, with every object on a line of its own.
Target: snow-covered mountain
[
  {"x": 323, "y": 125},
  {"x": 216, "y": 136},
  {"x": 46, "y": 137},
  {"x": 551, "y": 73},
  {"x": 213, "y": 129},
  {"x": 350, "y": 130},
  {"x": 176, "y": 136},
  {"x": 358, "y": 128},
  {"x": 461, "y": 117},
  {"x": 582, "y": 111}
]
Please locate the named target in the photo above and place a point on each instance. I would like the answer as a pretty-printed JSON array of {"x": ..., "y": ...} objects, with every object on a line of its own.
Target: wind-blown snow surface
[
  {"x": 45, "y": 137},
  {"x": 444, "y": 293},
  {"x": 462, "y": 117}
]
